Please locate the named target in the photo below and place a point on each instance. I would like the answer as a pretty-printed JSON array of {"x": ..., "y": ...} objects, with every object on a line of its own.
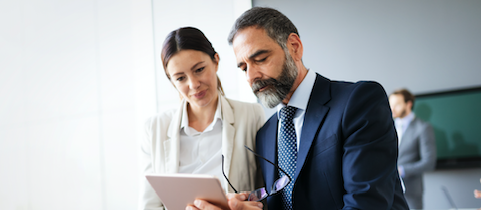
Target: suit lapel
[
  {"x": 408, "y": 134},
  {"x": 228, "y": 134},
  {"x": 268, "y": 149},
  {"x": 315, "y": 114},
  {"x": 268, "y": 139}
]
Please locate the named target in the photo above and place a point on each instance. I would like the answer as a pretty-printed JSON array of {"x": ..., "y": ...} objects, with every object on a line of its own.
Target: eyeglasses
[{"x": 261, "y": 193}]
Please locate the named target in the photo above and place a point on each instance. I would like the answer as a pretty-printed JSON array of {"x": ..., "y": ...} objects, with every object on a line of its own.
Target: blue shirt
[{"x": 299, "y": 99}]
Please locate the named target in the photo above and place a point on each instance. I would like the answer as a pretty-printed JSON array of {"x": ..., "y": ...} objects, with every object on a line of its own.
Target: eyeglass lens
[
  {"x": 261, "y": 193},
  {"x": 279, "y": 184},
  {"x": 258, "y": 194}
]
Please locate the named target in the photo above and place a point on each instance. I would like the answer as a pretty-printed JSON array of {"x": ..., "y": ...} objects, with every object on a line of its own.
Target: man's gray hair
[{"x": 276, "y": 24}]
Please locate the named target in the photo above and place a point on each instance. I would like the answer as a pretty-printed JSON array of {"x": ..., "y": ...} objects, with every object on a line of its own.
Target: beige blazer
[{"x": 160, "y": 148}]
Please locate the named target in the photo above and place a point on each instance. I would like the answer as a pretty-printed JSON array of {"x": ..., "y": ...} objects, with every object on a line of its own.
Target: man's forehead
[{"x": 251, "y": 40}]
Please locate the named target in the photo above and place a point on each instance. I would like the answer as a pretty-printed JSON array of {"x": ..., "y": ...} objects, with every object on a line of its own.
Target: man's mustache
[{"x": 258, "y": 84}]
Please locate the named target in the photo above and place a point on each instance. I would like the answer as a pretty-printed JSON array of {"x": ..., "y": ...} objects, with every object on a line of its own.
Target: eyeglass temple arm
[
  {"x": 268, "y": 161},
  {"x": 226, "y": 176}
]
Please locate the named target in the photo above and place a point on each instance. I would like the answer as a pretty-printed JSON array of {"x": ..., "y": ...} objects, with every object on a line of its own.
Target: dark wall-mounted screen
[{"x": 456, "y": 119}]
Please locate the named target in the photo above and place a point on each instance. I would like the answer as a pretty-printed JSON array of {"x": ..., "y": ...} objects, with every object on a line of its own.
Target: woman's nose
[{"x": 194, "y": 83}]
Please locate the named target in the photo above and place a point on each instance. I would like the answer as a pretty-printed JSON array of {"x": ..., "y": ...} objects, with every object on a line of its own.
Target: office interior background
[{"x": 78, "y": 79}]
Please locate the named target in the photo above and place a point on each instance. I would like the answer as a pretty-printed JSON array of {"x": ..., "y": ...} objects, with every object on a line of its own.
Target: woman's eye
[
  {"x": 180, "y": 79},
  {"x": 200, "y": 69}
]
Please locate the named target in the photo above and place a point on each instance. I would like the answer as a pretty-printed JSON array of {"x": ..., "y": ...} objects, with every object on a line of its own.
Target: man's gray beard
[{"x": 277, "y": 89}]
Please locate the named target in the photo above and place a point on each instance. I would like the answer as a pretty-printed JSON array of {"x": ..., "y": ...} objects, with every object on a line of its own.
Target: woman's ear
[{"x": 216, "y": 61}]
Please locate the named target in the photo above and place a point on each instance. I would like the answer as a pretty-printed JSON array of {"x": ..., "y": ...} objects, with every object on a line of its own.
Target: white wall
[
  {"x": 78, "y": 79},
  {"x": 423, "y": 45},
  {"x": 426, "y": 46},
  {"x": 76, "y": 84}
]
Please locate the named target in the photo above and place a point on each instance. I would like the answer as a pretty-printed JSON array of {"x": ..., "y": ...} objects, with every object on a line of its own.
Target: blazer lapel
[
  {"x": 172, "y": 145},
  {"x": 408, "y": 134},
  {"x": 228, "y": 134},
  {"x": 315, "y": 114}
]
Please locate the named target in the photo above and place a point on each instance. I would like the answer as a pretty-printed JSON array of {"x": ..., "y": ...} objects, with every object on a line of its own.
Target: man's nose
[{"x": 252, "y": 74}]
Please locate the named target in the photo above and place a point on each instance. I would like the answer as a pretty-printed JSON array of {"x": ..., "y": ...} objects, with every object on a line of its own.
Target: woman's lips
[{"x": 200, "y": 94}]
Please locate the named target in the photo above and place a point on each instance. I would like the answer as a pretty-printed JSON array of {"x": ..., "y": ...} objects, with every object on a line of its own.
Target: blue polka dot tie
[{"x": 287, "y": 152}]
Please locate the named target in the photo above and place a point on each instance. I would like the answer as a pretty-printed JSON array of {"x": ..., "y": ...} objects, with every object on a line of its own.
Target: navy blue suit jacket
[{"x": 347, "y": 153}]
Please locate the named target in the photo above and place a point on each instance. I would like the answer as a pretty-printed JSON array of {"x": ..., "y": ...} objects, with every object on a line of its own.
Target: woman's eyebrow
[{"x": 197, "y": 64}]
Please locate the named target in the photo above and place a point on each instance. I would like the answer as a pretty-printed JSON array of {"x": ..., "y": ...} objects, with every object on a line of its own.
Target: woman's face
[{"x": 193, "y": 74}]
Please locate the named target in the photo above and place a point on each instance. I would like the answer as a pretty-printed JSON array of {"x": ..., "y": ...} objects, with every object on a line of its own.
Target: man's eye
[{"x": 261, "y": 60}]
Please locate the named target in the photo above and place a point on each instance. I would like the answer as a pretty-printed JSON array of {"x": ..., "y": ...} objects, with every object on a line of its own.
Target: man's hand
[
  {"x": 477, "y": 193},
  {"x": 235, "y": 201}
]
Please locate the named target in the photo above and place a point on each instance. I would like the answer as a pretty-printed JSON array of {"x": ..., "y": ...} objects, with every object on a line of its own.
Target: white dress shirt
[
  {"x": 299, "y": 99},
  {"x": 200, "y": 151},
  {"x": 402, "y": 124}
]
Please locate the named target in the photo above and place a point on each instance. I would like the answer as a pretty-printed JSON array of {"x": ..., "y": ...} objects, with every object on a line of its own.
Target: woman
[{"x": 193, "y": 138}]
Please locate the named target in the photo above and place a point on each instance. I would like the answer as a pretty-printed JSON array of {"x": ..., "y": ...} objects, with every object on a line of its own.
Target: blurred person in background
[{"x": 417, "y": 146}]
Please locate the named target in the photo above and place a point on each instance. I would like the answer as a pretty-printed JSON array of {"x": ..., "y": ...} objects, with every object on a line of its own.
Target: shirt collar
[
  {"x": 185, "y": 118},
  {"x": 301, "y": 95},
  {"x": 405, "y": 120}
]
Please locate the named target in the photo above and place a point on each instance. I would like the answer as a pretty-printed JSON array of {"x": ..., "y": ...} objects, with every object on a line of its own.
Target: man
[
  {"x": 417, "y": 146},
  {"x": 339, "y": 147}
]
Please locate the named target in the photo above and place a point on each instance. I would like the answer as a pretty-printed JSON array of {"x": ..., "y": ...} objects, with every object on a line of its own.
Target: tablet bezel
[{"x": 176, "y": 191}]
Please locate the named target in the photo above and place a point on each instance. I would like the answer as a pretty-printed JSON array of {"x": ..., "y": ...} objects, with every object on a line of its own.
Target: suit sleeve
[
  {"x": 148, "y": 199},
  {"x": 427, "y": 150},
  {"x": 370, "y": 149}
]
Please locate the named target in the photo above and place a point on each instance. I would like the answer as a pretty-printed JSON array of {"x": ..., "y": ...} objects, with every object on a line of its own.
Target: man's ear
[
  {"x": 294, "y": 44},
  {"x": 409, "y": 105}
]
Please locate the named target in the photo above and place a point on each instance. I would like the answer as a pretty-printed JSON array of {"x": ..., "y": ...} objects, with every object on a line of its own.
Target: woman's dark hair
[{"x": 187, "y": 38}]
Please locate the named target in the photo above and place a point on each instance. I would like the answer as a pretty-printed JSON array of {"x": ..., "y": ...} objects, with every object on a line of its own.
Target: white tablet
[{"x": 176, "y": 191}]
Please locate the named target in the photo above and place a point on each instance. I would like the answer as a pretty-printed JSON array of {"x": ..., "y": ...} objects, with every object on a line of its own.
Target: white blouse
[{"x": 201, "y": 151}]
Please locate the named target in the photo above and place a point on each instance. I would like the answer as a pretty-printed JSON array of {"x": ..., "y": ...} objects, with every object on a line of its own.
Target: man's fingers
[
  {"x": 235, "y": 204},
  {"x": 477, "y": 194},
  {"x": 204, "y": 205},
  {"x": 190, "y": 207},
  {"x": 240, "y": 196},
  {"x": 254, "y": 204}
]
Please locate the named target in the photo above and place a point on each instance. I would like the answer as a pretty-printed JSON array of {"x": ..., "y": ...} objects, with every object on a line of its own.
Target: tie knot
[{"x": 287, "y": 113}]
